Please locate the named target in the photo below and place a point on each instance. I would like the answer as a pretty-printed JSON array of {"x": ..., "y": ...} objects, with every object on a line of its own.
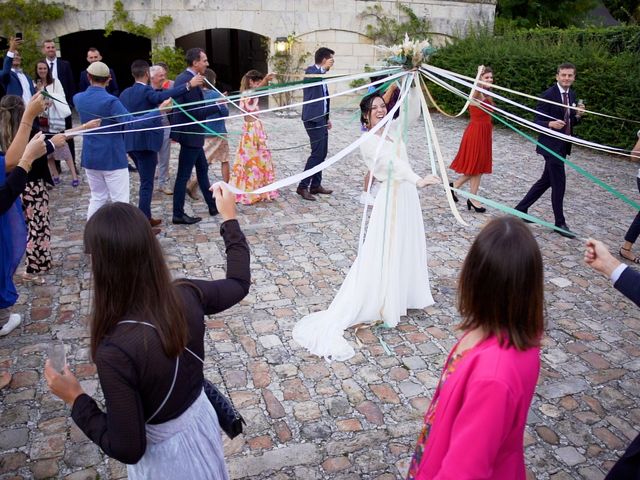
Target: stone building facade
[{"x": 333, "y": 23}]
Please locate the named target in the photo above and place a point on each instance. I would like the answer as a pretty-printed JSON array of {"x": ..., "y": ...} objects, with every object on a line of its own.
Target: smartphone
[{"x": 18, "y": 36}]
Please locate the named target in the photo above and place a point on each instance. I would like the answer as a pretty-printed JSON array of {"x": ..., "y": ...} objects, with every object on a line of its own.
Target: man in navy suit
[
  {"x": 61, "y": 69},
  {"x": 190, "y": 138},
  {"x": 93, "y": 55},
  {"x": 315, "y": 116},
  {"x": 143, "y": 147},
  {"x": 561, "y": 119},
  {"x": 627, "y": 281},
  {"x": 14, "y": 80}
]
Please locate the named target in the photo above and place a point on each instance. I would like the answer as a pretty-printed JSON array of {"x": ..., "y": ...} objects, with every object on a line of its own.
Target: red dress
[{"x": 474, "y": 155}]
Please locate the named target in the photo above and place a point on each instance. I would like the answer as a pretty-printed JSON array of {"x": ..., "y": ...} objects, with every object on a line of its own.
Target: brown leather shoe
[
  {"x": 155, "y": 222},
  {"x": 321, "y": 190},
  {"x": 304, "y": 193}
]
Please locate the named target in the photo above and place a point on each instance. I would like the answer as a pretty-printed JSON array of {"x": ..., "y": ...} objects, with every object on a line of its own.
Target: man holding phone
[{"x": 14, "y": 80}]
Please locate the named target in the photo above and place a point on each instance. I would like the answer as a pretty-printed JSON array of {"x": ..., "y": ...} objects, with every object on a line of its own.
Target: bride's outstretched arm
[{"x": 387, "y": 163}]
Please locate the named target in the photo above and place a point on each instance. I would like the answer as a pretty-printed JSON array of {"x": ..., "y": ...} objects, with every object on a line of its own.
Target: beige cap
[{"x": 98, "y": 69}]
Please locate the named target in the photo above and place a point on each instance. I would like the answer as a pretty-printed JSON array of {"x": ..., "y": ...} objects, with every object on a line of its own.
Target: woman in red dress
[{"x": 474, "y": 155}]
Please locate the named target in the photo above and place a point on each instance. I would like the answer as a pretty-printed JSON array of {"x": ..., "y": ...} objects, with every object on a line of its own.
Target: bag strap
[
  {"x": 221, "y": 376},
  {"x": 175, "y": 373}
]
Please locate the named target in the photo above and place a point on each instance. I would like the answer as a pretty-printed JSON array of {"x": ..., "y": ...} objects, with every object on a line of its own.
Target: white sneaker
[
  {"x": 366, "y": 198},
  {"x": 14, "y": 320}
]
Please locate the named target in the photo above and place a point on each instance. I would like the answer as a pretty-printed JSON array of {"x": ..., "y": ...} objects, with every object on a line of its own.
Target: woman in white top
[
  {"x": 389, "y": 274},
  {"x": 52, "y": 119}
]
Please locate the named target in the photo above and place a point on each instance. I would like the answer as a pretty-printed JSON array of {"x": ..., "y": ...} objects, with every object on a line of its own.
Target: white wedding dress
[{"x": 389, "y": 275}]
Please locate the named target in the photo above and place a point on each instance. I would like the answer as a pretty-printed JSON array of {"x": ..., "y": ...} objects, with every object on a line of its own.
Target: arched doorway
[
  {"x": 231, "y": 53},
  {"x": 118, "y": 51}
]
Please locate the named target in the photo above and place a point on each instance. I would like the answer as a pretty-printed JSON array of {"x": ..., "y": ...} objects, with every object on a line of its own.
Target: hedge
[{"x": 608, "y": 72}]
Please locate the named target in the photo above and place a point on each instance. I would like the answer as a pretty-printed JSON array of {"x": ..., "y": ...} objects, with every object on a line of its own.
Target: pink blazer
[{"x": 478, "y": 428}]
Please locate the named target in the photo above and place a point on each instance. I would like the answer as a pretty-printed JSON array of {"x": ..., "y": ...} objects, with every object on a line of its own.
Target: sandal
[
  {"x": 32, "y": 278},
  {"x": 75, "y": 183},
  {"x": 634, "y": 259}
]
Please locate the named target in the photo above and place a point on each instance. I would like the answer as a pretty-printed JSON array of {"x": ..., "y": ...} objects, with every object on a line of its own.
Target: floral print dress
[
  {"x": 35, "y": 202},
  {"x": 253, "y": 167},
  {"x": 450, "y": 367}
]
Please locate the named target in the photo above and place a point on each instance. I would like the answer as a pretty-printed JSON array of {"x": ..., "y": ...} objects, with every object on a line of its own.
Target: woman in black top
[{"x": 167, "y": 431}]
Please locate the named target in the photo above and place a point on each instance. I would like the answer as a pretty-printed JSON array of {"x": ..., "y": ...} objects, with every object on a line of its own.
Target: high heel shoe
[
  {"x": 477, "y": 209},
  {"x": 453, "y": 195}
]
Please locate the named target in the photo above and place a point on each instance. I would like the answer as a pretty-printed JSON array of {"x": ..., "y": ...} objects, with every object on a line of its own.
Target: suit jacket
[
  {"x": 556, "y": 112},
  {"x": 107, "y": 152},
  {"x": 139, "y": 98},
  {"x": 66, "y": 78},
  {"x": 11, "y": 81},
  {"x": 314, "y": 111},
  {"x": 112, "y": 88},
  {"x": 629, "y": 285},
  {"x": 181, "y": 134},
  {"x": 487, "y": 397}
]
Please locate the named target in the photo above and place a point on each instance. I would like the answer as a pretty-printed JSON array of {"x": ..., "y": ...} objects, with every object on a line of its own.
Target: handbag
[{"x": 229, "y": 418}]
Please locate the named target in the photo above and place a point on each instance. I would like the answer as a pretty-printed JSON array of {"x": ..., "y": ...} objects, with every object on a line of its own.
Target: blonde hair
[{"x": 11, "y": 110}]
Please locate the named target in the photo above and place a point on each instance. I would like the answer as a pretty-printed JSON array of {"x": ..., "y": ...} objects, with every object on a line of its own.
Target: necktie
[{"x": 567, "y": 113}]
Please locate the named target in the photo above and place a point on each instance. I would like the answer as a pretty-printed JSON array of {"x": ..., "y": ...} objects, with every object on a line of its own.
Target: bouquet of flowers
[{"x": 409, "y": 54}]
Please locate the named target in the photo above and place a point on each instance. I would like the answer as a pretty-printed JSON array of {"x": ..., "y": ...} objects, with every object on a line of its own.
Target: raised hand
[
  {"x": 196, "y": 81},
  {"x": 225, "y": 201},
  {"x": 35, "y": 107},
  {"x": 428, "y": 180}
]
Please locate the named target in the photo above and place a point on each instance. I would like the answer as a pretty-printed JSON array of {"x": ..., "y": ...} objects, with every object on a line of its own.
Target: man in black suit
[
  {"x": 315, "y": 116},
  {"x": 61, "y": 69},
  {"x": 93, "y": 55},
  {"x": 561, "y": 119},
  {"x": 190, "y": 137},
  {"x": 627, "y": 281}
]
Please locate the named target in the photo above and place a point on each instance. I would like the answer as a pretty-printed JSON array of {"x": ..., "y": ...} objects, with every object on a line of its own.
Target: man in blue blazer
[
  {"x": 561, "y": 119},
  {"x": 144, "y": 146},
  {"x": 315, "y": 116},
  {"x": 104, "y": 156},
  {"x": 14, "y": 80},
  {"x": 190, "y": 138},
  {"x": 627, "y": 281}
]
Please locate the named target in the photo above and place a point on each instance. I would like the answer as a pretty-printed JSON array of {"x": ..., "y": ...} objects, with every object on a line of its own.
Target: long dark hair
[
  {"x": 131, "y": 278},
  {"x": 49, "y": 78},
  {"x": 365, "y": 107},
  {"x": 500, "y": 287},
  {"x": 11, "y": 111}
]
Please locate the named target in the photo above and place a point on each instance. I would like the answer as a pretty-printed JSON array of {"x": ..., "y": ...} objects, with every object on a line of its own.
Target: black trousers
[
  {"x": 553, "y": 176},
  {"x": 68, "y": 123},
  {"x": 634, "y": 230},
  {"x": 319, "y": 139}
]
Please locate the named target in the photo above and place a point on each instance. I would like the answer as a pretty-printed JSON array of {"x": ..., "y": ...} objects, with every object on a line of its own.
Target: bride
[{"x": 389, "y": 275}]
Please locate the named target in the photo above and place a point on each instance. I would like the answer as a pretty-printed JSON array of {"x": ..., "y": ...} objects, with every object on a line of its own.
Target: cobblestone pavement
[{"x": 358, "y": 419}]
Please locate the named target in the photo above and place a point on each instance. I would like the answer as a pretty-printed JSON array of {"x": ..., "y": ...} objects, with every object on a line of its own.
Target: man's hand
[
  {"x": 598, "y": 257},
  {"x": 58, "y": 140},
  {"x": 557, "y": 124},
  {"x": 166, "y": 105},
  {"x": 14, "y": 44},
  {"x": 196, "y": 81}
]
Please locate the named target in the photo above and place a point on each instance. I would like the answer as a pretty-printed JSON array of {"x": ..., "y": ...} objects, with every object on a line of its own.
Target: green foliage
[
  {"x": 288, "y": 66},
  {"x": 607, "y": 69},
  {"x": 627, "y": 11},
  {"x": 544, "y": 13},
  {"x": 361, "y": 81},
  {"x": 121, "y": 21},
  {"x": 27, "y": 16},
  {"x": 172, "y": 56},
  {"x": 387, "y": 30}
]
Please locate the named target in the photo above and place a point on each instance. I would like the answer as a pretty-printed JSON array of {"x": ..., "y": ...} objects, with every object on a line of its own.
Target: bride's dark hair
[{"x": 365, "y": 107}]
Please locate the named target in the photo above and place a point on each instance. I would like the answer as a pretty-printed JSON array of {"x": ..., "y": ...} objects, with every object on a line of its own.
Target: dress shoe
[
  {"x": 320, "y": 190},
  {"x": 567, "y": 232},
  {"x": 154, "y": 222},
  {"x": 130, "y": 167},
  {"x": 213, "y": 211},
  {"x": 524, "y": 219},
  {"x": 185, "y": 220},
  {"x": 166, "y": 190},
  {"x": 304, "y": 193}
]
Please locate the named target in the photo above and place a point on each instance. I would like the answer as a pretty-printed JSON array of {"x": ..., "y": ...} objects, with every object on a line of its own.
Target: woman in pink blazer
[{"x": 474, "y": 427}]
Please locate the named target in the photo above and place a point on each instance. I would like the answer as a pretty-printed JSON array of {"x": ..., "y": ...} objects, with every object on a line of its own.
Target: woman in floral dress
[{"x": 253, "y": 167}]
